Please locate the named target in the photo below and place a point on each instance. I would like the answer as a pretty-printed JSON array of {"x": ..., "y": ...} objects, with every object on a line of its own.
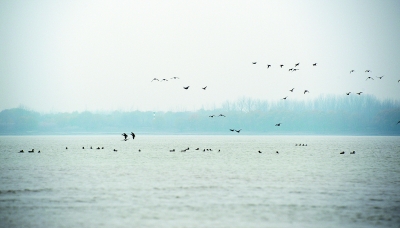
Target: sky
[{"x": 65, "y": 56}]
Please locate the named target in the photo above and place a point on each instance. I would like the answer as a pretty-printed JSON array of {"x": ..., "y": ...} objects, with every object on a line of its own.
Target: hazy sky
[{"x": 102, "y": 55}]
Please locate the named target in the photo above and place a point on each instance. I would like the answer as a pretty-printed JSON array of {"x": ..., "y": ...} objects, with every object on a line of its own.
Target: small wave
[{"x": 24, "y": 190}]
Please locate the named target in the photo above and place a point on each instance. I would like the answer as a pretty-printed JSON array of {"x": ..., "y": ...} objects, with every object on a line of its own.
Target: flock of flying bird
[{"x": 293, "y": 69}]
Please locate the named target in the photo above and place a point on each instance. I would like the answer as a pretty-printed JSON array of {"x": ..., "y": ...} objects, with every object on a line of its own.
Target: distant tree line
[{"x": 338, "y": 115}]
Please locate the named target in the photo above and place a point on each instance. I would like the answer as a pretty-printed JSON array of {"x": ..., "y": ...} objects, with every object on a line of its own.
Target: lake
[{"x": 226, "y": 183}]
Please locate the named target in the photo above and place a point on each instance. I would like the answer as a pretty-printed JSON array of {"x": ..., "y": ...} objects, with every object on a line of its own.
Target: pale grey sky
[{"x": 58, "y": 56}]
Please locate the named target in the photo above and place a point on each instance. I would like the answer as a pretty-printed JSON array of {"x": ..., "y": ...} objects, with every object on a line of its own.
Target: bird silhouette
[
  {"x": 259, "y": 152},
  {"x": 211, "y": 116},
  {"x": 155, "y": 79},
  {"x": 314, "y": 64},
  {"x": 291, "y": 69},
  {"x": 351, "y": 71},
  {"x": 284, "y": 98},
  {"x": 268, "y": 66},
  {"x": 238, "y": 131},
  {"x": 348, "y": 93},
  {"x": 359, "y": 93},
  {"x": 174, "y": 78},
  {"x": 164, "y": 80},
  {"x": 281, "y": 65},
  {"x": 133, "y": 135},
  {"x": 125, "y": 136},
  {"x": 369, "y": 78},
  {"x": 278, "y": 124},
  {"x": 367, "y": 71},
  {"x": 295, "y": 69},
  {"x": 222, "y": 115},
  {"x": 306, "y": 91},
  {"x": 187, "y": 87},
  {"x": 296, "y": 64},
  {"x": 254, "y": 62},
  {"x": 204, "y": 88},
  {"x": 291, "y": 90},
  {"x": 232, "y": 129}
]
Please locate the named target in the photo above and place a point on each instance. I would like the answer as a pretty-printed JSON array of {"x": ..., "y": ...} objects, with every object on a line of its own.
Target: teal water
[{"x": 302, "y": 186}]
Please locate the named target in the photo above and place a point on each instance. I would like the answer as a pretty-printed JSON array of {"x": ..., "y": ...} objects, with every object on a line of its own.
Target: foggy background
[{"x": 66, "y": 56}]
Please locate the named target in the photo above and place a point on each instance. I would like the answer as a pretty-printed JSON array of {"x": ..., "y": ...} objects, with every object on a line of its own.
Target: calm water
[{"x": 302, "y": 186}]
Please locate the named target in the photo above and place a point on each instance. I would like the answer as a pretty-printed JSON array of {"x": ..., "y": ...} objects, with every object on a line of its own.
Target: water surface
[{"x": 302, "y": 186}]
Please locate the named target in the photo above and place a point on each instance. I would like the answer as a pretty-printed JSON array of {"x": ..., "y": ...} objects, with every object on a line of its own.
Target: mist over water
[{"x": 302, "y": 186}]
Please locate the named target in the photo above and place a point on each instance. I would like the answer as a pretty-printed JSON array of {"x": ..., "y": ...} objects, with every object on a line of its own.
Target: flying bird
[
  {"x": 284, "y": 98},
  {"x": 278, "y": 124},
  {"x": 381, "y": 77},
  {"x": 232, "y": 129},
  {"x": 211, "y": 116},
  {"x": 268, "y": 66},
  {"x": 281, "y": 65},
  {"x": 314, "y": 64},
  {"x": 291, "y": 69},
  {"x": 187, "y": 87},
  {"x": 369, "y": 78},
  {"x": 164, "y": 79},
  {"x": 296, "y": 64},
  {"x": 174, "y": 78},
  {"x": 254, "y": 62},
  {"x": 204, "y": 88},
  {"x": 306, "y": 91},
  {"x": 291, "y": 90},
  {"x": 348, "y": 93},
  {"x": 351, "y": 71},
  {"x": 155, "y": 79},
  {"x": 359, "y": 93},
  {"x": 125, "y": 136},
  {"x": 367, "y": 71},
  {"x": 238, "y": 131},
  {"x": 133, "y": 135},
  {"x": 222, "y": 115}
]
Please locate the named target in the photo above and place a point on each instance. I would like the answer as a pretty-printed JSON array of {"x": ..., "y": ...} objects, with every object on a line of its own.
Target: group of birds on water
[{"x": 183, "y": 150}]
